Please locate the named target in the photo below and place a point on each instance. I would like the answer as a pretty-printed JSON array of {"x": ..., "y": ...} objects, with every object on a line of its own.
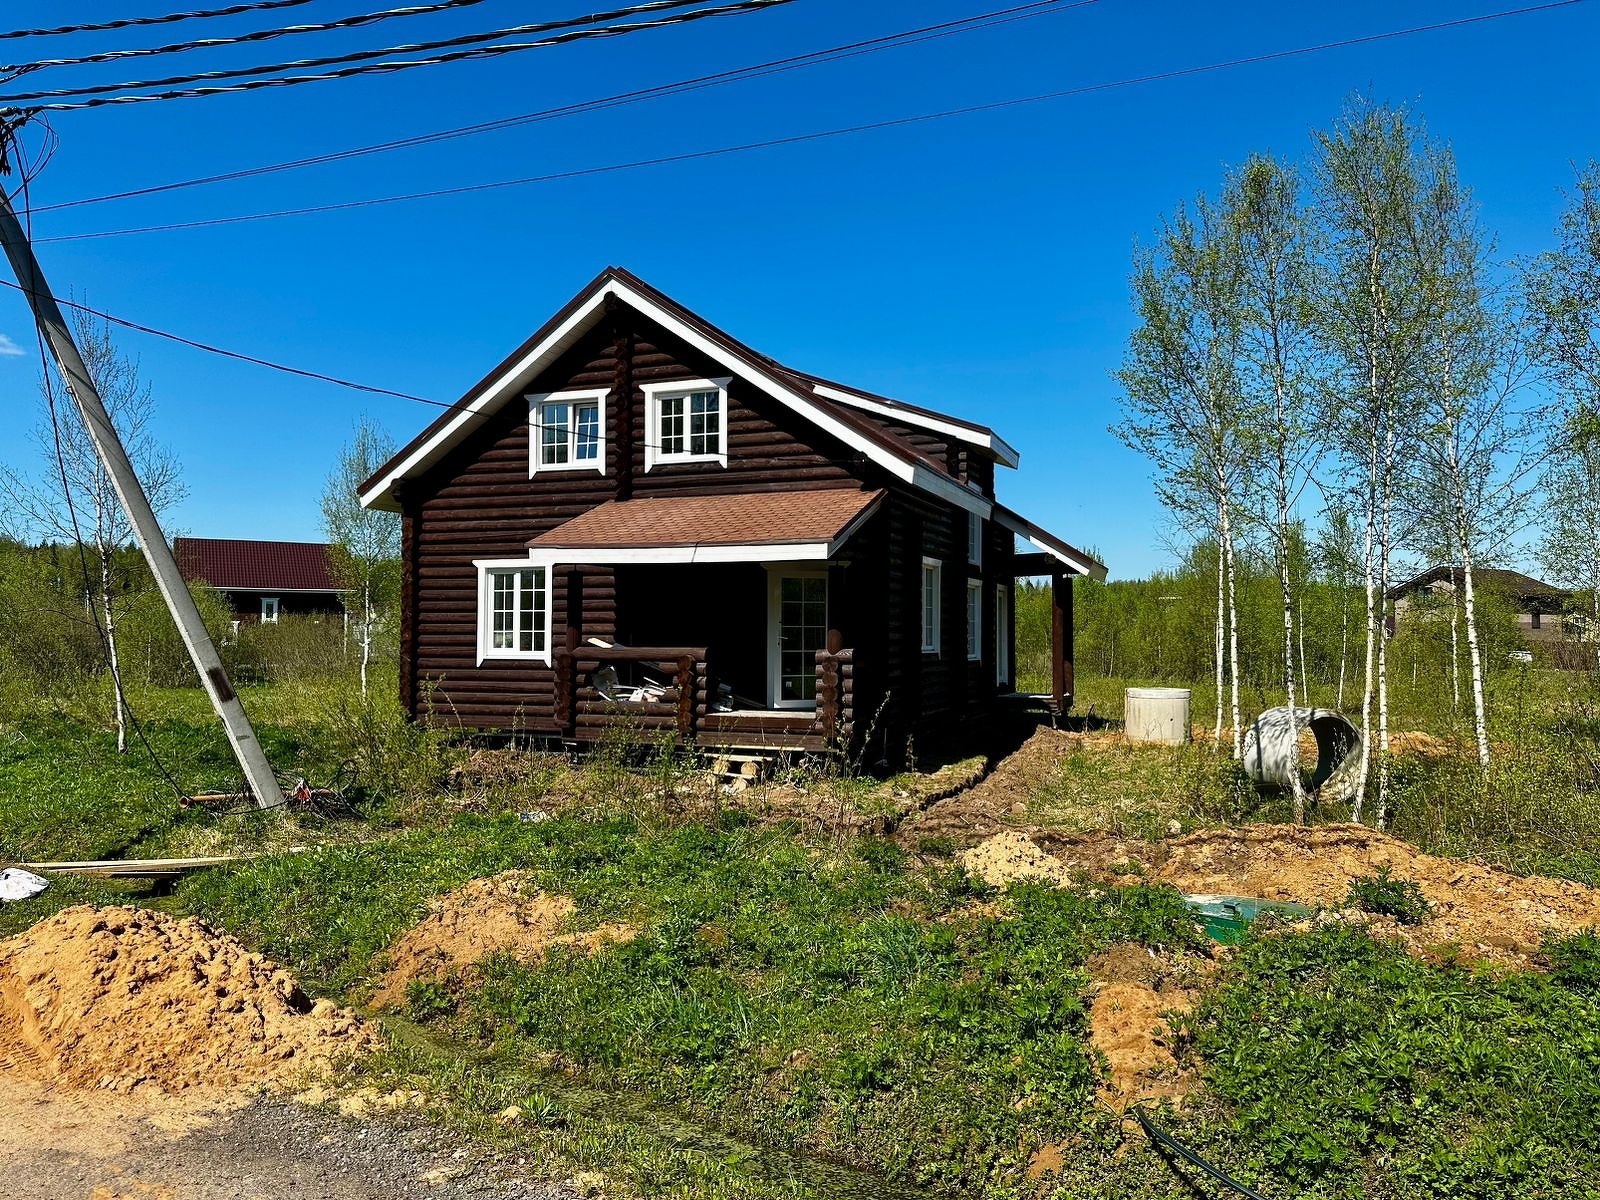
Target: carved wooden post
[{"x": 686, "y": 697}]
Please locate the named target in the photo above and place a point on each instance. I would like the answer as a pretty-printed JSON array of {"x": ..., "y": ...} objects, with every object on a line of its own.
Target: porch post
[{"x": 1061, "y": 648}]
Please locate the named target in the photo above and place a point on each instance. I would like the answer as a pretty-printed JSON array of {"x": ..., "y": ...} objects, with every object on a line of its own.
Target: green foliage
[
  {"x": 1575, "y": 960},
  {"x": 1345, "y": 1067},
  {"x": 834, "y": 1000},
  {"x": 428, "y": 999},
  {"x": 1382, "y": 893}
]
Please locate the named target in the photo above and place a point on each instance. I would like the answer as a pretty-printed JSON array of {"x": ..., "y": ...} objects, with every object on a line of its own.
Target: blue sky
[{"x": 977, "y": 264}]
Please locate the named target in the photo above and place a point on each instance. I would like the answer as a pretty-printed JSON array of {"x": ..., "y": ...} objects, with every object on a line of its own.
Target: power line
[
  {"x": 735, "y": 75},
  {"x": 801, "y": 138},
  {"x": 233, "y": 354},
  {"x": 261, "y": 35},
  {"x": 130, "y": 22},
  {"x": 368, "y": 67}
]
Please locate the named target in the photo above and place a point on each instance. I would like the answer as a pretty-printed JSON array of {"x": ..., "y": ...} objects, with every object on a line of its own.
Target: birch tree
[
  {"x": 1569, "y": 549},
  {"x": 71, "y": 499},
  {"x": 1182, "y": 404},
  {"x": 366, "y": 541},
  {"x": 1469, "y": 468},
  {"x": 1563, "y": 304},
  {"x": 1269, "y": 236},
  {"x": 1371, "y": 317}
]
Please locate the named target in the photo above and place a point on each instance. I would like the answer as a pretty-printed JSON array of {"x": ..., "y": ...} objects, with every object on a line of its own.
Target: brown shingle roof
[
  {"x": 238, "y": 564},
  {"x": 741, "y": 519}
]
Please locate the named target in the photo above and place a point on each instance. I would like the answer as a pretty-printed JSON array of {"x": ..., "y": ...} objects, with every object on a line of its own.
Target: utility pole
[{"x": 258, "y": 774}]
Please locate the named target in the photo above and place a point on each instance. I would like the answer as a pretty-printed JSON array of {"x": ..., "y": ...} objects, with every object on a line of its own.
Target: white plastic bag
[{"x": 17, "y": 884}]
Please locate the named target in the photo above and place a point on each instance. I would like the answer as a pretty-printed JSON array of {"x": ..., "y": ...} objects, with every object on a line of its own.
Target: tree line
[{"x": 1338, "y": 337}]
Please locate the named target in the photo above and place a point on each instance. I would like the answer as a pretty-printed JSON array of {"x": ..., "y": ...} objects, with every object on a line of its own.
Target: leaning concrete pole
[{"x": 252, "y": 760}]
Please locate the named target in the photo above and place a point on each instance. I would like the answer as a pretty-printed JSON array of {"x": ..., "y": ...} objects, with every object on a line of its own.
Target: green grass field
[{"x": 805, "y": 1013}]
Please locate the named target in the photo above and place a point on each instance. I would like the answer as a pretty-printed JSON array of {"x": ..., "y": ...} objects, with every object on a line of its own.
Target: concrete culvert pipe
[
  {"x": 1268, "y": 744},
  {"x": 1158, "y": 715}
]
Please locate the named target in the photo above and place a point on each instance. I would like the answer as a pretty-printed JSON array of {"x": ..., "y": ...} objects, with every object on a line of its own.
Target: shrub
[{"x": 1383, "y": 894}]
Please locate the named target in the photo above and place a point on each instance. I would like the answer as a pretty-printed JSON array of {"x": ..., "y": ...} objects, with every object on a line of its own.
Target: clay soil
[
  {"x": 501, "y": 914},
  {"x": 123, "y": 998},
  {"x": 1134, "y": 990}
]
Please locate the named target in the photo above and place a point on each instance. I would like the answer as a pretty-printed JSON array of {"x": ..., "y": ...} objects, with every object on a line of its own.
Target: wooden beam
[
  {"x": 1036, "y": 562},
  {"x": 1060, "y": 635},
  {"x": 134, "y": 868}
]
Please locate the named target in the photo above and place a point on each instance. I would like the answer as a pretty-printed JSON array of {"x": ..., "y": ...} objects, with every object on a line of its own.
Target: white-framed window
[
  {"x": 269, "y": 610},
  {"x": 975, "y": 539},
  {"x": 974, "y": 620},
  {"x": 567, "y": 431},
  {"x": 931, "y": 603},
  {"x": 513, "y": 610},
  {"x": 686, "y": 421}
]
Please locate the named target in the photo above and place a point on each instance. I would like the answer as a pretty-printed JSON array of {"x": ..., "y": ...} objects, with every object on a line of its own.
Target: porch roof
[{"x": 741, "y": 527}]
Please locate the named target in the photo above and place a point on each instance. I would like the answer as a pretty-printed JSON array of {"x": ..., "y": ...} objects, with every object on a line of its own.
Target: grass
[{"x": 809, "y": 1014}]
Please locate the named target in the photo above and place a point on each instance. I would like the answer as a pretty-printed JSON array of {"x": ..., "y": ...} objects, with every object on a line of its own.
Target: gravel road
[{"x": 268, "y": 1150}]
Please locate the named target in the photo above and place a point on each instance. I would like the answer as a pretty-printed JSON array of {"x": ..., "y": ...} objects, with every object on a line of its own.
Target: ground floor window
[
  {"x": 269, "y": 610},
  {"x": 930, "y": 605},
  {"x": 974, "y": 620},
  {"x": 515, "y": 614}
]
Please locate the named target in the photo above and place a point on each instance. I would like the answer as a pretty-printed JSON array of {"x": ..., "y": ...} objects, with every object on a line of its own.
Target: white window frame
[
  {"x": 269, "y": 616},
  {"x": 931, "y": 637},
  {"x": 536, "y": 403},
  {"x": 655, "y": 393},
  {"x": 487, "y": 569},
  {"x": 974, "y": 539},
  {"x": 1002, "y": 633},
  {"x": 974, "y": 620}
]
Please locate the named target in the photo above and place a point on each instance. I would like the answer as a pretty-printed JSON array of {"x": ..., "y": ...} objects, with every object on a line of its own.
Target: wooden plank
[{"x": 134, "y": 868}]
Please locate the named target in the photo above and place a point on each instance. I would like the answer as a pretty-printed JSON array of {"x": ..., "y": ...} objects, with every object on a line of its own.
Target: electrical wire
[
  {"x": 233, "y": 354},
  {"x": 802, "y": 138},
  {"x": 735, "y": 75},
  {"x": 364, "y": 65},
  {"x": 261, "y": 35},
  {"x": 131, "y": 22}
]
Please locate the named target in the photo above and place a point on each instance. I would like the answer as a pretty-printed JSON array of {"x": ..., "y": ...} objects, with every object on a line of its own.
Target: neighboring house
[
  {"x": 635, "y": 516},
  {"x": 1540, "y": 607},
  {"x": 262, "y": 580}
]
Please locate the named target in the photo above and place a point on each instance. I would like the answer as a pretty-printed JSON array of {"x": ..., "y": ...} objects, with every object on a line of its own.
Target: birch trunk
[
  {"x": 1216, "y": 734},
  {"x": 1372, "y": 636},
  {"x": 1233, "y": 630},
  {"x": 1296, "y": 784},
  {"x": 111, "y": 652},
  {"x": 1344, "y": 636},
  {"x": 1455, "y": 651},
  {"x": 1384, "y": 549},
  {"x": 1480, "y": 726},
  {"x": 366, "y": 633}
]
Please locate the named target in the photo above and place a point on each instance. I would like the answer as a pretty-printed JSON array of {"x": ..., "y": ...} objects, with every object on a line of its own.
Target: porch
[{"x": 661, "y": 690}]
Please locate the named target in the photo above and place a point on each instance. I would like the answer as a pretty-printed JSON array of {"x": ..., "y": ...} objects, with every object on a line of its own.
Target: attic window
[
  {"x": 686, "y": 422},
  {"x": 567, "y": 431}
]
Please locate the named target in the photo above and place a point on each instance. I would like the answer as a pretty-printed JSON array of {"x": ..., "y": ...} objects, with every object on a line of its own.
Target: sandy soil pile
[
  {"x": 1005, "y": 857},
  {"x": 483, "y": 917},
  {"x": 1492, "y": 914},
  {"x": 1133, "y": 992},
  {"x": 123, "y": 997}
]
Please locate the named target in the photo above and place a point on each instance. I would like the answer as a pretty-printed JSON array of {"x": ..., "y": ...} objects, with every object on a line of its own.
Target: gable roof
[
  {"x": 838, "y": 411},
  {"x": 242, "y": 565},
  {"x": 1510, "y": 583},
  {"x": 510, "y": 379}
]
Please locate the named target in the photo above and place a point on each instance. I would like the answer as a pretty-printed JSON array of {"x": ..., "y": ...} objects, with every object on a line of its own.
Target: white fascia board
[
  {"x": 989, "y": 441},
  {"x": 1080, "y": 565},
  {"x": 513, "y": 380},
  {"x": 604, "y": 556},
  {"x": 778, "y": 390},
  {"x": 510, "y": 383}
]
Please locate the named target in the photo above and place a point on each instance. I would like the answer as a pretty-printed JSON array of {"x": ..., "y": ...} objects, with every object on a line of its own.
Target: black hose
[{"x": 1162, "y": 1138}]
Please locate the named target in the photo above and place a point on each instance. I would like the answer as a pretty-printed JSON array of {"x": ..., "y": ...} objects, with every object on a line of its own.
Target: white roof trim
[
  {"x": 515, "y": 379},
  {"x": 1081, "y": 564},
  {"x": 990, "y": 441}
]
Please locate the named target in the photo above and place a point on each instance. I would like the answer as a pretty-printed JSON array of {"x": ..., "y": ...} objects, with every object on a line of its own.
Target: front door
[{"x": 797, "y": 627}]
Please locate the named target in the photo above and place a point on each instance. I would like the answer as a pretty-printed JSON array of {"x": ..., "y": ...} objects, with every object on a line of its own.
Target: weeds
[{"x": 1384, "y": 894}]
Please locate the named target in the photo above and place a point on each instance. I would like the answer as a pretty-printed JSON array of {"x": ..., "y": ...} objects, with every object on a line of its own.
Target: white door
[{"x": 797, "y": 627}]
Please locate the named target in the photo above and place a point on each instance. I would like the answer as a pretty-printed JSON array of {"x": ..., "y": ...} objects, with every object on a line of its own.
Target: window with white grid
[
  {"x": 568, "y": 431},
  {"x": 686, "y": 422},
  {"x": 515, "y": 620}
]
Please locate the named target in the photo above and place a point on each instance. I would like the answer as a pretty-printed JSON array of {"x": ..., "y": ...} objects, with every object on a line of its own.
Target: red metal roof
[
  {"x": 742, "y": 519},
  {"x": 238, "y": 564}
]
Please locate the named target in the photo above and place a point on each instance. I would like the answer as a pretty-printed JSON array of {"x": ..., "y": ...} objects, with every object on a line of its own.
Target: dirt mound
[
  {"x": 484, "y": 917},
  {"x": 1134, "y": 990},
  {"x": 124, "y": 997},
  {"x": 999, "y": 801},
  {"x": 1490, "y": 914}
]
